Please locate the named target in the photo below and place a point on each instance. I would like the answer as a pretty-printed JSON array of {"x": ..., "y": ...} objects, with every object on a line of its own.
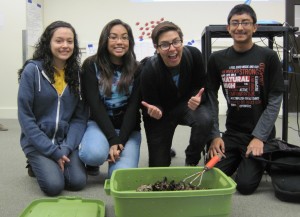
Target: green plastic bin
[
  {"x": 215, "y": 201},
  {"x": 65, "y": 207}
]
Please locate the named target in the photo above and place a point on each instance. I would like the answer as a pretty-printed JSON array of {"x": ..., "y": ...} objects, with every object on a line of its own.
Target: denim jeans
[
  {"x": 94, "y": 149},
  {"x": 50, "y": 177},
  {"x": 160, "y": 134}
]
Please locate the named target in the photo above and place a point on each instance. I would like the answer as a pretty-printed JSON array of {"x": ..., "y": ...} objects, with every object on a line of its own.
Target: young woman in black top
[{"x": 111, "y": 89}]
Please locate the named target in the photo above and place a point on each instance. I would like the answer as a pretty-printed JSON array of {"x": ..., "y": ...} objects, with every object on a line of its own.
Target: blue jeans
[
  {"x": 94, "y": 149},
  {"x": 50, "y": 177}
]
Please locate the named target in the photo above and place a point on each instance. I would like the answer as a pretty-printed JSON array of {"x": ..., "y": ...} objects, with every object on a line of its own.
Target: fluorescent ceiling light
[
  {"x": 201, "y": 0},
  {"x": 140, "y": 1}
]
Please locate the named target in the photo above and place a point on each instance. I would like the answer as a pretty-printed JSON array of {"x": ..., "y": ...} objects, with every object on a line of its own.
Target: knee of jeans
[
  {"x": 77, "y": 184},
  {"x": 52, "y": 188},
  {"x": 94, "y": 158}
]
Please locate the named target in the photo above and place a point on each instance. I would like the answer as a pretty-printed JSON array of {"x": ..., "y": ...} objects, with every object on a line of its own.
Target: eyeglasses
[
  {"x": 166, "y": 45},
  {"x": 115, "y": 38},
  {"x": 244, "y": 24}
]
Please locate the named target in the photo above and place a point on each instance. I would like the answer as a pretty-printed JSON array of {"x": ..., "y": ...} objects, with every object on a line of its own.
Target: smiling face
[
  {"x": 241, "y": 29},
  {"x": 171, "y": 56},
  {"x": 118, "y": 43},
  {"x": 62, "y": 46}
]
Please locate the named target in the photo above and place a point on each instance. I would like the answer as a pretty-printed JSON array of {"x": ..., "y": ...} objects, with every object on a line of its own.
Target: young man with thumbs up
[{"x": 173, "y": 91}]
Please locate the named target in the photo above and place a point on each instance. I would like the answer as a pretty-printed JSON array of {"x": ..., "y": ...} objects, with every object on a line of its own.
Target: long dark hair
[
  {"x": 102, "y": 59},
  {"x": 43, "y": 52}
]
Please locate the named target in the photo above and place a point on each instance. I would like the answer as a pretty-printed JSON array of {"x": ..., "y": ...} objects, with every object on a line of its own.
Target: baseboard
[{"x": 9, "y": 113}]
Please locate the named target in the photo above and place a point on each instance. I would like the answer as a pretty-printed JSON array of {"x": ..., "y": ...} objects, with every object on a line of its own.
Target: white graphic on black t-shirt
[{"x": 242, "y": 84}]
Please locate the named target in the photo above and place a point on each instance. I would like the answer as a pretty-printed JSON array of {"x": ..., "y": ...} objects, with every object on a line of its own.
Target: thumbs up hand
[
  {"x": 195, "y": 101},
  {"x": 152, "y": 110}
]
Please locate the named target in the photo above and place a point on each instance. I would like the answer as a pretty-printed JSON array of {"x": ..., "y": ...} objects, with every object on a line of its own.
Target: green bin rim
[{"x": 35, "y": 202}]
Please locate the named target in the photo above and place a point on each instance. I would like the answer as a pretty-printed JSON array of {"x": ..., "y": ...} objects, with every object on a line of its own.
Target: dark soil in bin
[{"x": 165, "y": 185}]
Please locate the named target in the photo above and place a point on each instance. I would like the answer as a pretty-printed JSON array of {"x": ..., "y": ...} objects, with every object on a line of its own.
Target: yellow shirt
[{"x": 59, "y": 78}]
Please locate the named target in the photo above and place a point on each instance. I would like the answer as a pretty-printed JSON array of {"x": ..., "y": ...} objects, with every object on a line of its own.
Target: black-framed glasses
[
  {"x": 115, "y": 38},
  {"x": 244, "y": 24},
  {"x": 166, "y": 45}
]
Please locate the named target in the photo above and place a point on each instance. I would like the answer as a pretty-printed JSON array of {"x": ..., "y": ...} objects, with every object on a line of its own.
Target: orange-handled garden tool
[{"x": 194, "y": 177}]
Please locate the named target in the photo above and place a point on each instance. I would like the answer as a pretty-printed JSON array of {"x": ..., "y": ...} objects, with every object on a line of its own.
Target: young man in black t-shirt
[{"x": 252, "y": 82}]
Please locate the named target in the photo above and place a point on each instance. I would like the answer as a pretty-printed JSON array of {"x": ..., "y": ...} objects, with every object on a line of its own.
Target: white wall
[
  {"x": 13, "y": 21},
  {"x": 89, "y": 17}
]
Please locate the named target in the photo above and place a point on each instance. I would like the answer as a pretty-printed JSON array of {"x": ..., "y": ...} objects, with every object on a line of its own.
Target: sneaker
[
  {"x": 172, "y": 152},
  {"x": 29, "y": 170},
  {"x": 3, "y": 128},
  {"x": 92, "y": 170}
]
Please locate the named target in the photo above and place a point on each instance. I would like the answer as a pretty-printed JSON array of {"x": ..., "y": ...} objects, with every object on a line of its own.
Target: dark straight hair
[
  {"x": 242, "y": 9},
  {"x": 162, "y": 28}
]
